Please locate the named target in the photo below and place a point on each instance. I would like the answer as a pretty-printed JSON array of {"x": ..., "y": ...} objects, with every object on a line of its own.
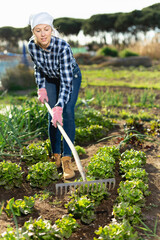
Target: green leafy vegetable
[
  {"x": 66, "y": 225},
  {"x": 101, "y": 166},
  {"x": 81, "y": 207},
  {"x": 20, "y": 206},
  {"x": 42, "y": 174},
  {"x": 10, "y": 175},
  {"x": 125, "y": 210},
  {"x": 40, "y": 229},
  {"x": 35, "y": 152},
  {"x": 132, "y": 154},
  {"x": 137, "y": 173},
  {"x": 117, "y": 231}
]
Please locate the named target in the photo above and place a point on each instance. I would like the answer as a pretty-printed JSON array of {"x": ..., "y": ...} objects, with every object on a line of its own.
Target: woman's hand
[
  {"x": 42, "y": 95},
  {"x": 57, "y": 116}
]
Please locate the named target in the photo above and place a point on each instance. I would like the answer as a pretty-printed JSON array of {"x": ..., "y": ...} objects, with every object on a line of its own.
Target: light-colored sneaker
[
  {"x": 68, "y": 171},
  {"x": 57, "y": 159}
]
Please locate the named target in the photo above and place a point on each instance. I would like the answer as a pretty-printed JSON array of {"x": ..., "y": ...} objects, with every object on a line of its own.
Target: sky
[{"x": 16, "y": 13}]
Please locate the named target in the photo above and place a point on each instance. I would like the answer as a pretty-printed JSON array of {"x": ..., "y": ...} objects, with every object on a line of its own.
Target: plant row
[{"x": 132, "y": 192}]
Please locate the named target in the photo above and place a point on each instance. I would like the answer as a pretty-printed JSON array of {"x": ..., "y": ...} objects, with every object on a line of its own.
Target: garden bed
[{"x": 52, "y": 208}]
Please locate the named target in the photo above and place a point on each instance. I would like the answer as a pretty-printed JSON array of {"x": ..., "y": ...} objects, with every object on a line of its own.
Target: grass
[{"x": 128, "y": 77}]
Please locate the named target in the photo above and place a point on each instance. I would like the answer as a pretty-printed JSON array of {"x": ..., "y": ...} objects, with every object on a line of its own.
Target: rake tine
[
  {"x": 86, "y": 186},
  {"x": 65, "y": 189},
  {"x": 61, "y": 191}
]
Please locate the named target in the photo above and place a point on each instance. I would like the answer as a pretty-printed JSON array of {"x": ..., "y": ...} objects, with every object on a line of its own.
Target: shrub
[
  {"x": 18, "y": 78},
  {"x": 127, "y": 53},
  {"x": 108, "y": 51}
]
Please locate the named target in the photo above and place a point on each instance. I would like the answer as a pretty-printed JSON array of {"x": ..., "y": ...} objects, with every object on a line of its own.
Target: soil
[{"x": 53, "y": 208}]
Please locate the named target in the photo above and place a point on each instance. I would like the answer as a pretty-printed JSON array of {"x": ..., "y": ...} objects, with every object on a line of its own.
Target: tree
[
  {"x": 8, "y": 34},
  {"x": 99, "y": 25},
  {"x": 68, "y": 26}
]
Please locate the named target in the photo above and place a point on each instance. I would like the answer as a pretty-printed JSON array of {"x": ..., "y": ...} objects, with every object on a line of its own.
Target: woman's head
[{"x": 42, "y": 28}]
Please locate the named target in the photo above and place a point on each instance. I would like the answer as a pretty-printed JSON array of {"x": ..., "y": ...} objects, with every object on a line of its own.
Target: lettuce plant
[
  {"x": 42, "y": 174},
  {"x": 90, "y": 133},
  {"x": 133, "y": 154},
  {"x": 80, "y": 150},
  {"x": 125, "y": 210},
  {"x": 135, "y": 184},
  {"x": 82, "y": 207},
  {"x": 133, "y": 192},
  {"x": 117, "y": 231},
  {"x": 127, "y": 164},
  {"x": 89, "y": 116},
  {"x": 20, "y": 206},
  {"x": 111, "y": 151},
  {"x": 136, "y": 173},
  {"x": 101, "y": 166},
  {"x": 10, "y": 175},
  {"x": 35, "y": 152},
  {"x": 66, "y": 225},
  {"x": 40, "y": 229}
]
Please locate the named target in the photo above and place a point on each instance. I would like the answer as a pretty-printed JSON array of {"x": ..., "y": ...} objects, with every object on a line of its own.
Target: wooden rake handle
[{"x": 70, "y": 144}]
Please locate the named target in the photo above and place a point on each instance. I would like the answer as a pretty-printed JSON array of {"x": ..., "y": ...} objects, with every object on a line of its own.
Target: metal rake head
[{"x": 64, "y": 188}]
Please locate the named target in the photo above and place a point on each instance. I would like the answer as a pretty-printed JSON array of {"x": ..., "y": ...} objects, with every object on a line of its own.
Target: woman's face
[{"x": 43, "y": 33}]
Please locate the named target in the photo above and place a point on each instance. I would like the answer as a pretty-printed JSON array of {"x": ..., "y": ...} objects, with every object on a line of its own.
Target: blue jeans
[{"x": 68, "y": 113}]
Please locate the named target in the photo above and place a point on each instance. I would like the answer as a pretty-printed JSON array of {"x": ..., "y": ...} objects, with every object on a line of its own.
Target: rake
[{"x": 68, "y": 186}]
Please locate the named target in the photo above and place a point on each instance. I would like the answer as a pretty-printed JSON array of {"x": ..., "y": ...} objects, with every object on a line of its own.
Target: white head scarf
[{"x": 41, "y": 18}]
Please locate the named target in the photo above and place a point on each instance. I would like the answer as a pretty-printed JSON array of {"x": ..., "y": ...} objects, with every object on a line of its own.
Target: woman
[{"x": 58, "y": 78}]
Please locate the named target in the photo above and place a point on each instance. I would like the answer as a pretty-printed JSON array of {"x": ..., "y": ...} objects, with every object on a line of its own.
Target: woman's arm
[{"x": 66, "y": 76}]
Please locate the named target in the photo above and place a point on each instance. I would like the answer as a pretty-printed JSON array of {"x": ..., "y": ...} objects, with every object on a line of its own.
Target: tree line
[{"x": 129, "y": 24}]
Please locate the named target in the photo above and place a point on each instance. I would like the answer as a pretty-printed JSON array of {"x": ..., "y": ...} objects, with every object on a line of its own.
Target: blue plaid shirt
[{"x": 56, "y": 61}]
